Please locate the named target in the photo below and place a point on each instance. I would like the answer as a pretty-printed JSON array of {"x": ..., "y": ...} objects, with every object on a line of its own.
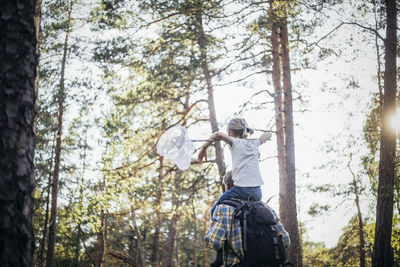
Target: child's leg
[
  {"x": 244, "y": 193},
  {"x": 228, "y": 194},
  {"x": 249, "y": 193}
]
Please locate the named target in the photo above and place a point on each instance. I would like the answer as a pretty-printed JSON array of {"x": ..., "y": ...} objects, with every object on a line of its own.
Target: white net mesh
[{"x": 175, "y": 145}]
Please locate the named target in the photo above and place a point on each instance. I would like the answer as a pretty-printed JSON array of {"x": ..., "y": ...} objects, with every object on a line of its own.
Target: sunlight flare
[{"x": 394, "y": 120}]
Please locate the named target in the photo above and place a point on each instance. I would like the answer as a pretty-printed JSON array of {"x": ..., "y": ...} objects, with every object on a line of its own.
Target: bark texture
[
  {"x": 382, "y": 251},
  {"x": 281, "y": 77},
  {"x": 289, "y": 208},
  {"x": 19, "y": 27},
  {"x": 279, "y": 124},
  {"x": 219, "y": 153}
]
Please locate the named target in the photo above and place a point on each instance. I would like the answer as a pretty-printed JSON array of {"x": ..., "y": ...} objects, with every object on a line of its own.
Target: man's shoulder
[
  {"x": 227, "y": 207},
  {"x": 237, "y": 203}
]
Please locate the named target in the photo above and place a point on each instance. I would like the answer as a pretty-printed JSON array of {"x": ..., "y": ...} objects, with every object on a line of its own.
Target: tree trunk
[
  {"x": 289, "y": 209},
  {"x": 45, "y": 228},
  {"x": 177, "y": 261},
  {"x": 382, "y": 251},
  {"x": 46, "y": 217},
  {"x": 219, "y": 153},
  {"x": 279, "y": 123},
  {"x": 285, "y": 131},
  {"x": 170, "y": 242},
  {"x": 194, "y": 255},
  {"x": 194, "y": 235},
  {"x": 102, "y": 238},
  {"x": 360, "y": 221},
  {"x": 155, "y": 258},
  {"x": 75, "y": 262},
  {"x": 81, "y": 196},
  {"x": 19, "y": 31},
  {"x": 360, "y": 231},
  {"x": 139, "y": 237},
  {"x": 54, "y": 190},
  {"x": 205, "y": 229}
]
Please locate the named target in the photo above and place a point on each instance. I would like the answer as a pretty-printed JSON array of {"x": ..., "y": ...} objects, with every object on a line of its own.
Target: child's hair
[{"x": 239, "y": 127}]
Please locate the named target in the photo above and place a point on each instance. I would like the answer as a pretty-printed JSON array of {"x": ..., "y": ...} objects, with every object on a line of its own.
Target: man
[{"x": 225, "y": 232}]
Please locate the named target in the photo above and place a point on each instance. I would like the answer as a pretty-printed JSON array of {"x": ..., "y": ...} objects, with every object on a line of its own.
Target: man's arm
[{"x": 280, "y": 229}]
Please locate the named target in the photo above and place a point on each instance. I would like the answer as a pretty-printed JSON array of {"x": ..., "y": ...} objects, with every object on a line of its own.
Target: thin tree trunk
[
  {"x": 45, "y": 228},
  {"x": 81, "y": 180},
  {"x": 382, "y": 251},
  {"x": 170, "y": 242},
  {"x": 102, "y": 238},
  {"x": 205, "y": 228},
  {"x": 177, "y": 261},
  {"x": 360, "y": 231},
  {"x": 210, "y": 91},
  {"x": 194, "y": 234},
  {"x": 194, "y": 255},
  {"x": 155, "y": 259},
  {"x": 54, "y": 191},
  {"x": 378, "y": 59},
  {"x": 139, "y": 237},
  {"x": 360, "y": 221},
  {"x": 289, "y": 210},
  {"x": 18, "y": 95},
  {"x": 77, "y": 246},
  {"x": 46, "y": 218}
]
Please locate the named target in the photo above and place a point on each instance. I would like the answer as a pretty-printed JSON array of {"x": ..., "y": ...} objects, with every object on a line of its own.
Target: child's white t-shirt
[{"x": 245, "y": 167}]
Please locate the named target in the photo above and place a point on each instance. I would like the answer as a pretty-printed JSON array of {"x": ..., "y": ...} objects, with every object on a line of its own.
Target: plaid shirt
[{"x": 225, "y": 227}]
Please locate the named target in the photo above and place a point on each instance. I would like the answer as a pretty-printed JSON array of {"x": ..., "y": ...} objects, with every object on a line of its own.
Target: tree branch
[
  {"x": 123, "y": 257},
  {"x": 244, "y": 78},
  {"x": 365, "y": 28}
]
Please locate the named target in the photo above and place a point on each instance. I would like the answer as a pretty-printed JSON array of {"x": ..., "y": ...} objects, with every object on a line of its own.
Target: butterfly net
[{"x": 175, "y": 145}]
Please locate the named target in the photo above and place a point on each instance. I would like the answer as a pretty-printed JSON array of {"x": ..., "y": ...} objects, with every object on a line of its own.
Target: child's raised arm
[
  {"x": 264, "y": 137},
  {"x": 214, "y": 137}
]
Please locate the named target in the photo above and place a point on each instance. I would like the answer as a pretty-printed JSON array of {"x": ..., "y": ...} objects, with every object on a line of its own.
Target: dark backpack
[{"x": 262, "y": 245}]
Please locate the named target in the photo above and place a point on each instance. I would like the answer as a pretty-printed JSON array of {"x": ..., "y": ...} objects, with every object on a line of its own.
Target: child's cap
[{"x": 239, "y": 125}]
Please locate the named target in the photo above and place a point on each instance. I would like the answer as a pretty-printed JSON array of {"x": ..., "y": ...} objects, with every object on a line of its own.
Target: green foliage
[
  {"x": 346, "y": 253},
  {"x": 316, "y": 254}
]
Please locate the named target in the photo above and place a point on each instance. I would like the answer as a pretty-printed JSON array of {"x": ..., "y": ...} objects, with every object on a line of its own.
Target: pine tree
[
  {"x": 383, "y": 251},
  {"x": 19, "y": 75}
]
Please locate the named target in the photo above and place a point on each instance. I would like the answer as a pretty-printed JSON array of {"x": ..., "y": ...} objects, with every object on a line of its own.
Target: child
[{"x": 245, "y": 169}]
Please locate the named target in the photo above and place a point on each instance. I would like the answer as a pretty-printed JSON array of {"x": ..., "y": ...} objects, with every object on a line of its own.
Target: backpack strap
[
  {"x": 237, "y": 204},
  {"x": 233, "y": 203}
]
